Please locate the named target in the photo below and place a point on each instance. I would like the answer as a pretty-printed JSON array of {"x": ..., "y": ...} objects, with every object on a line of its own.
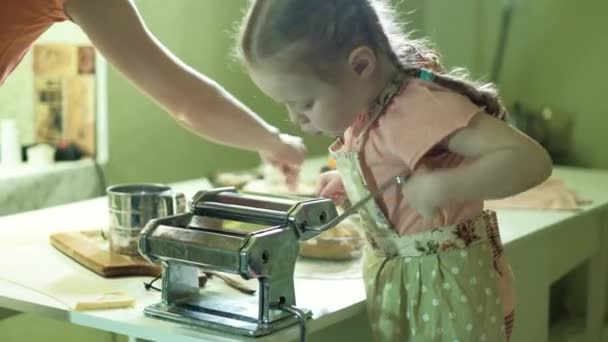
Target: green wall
[
  {"x": 555, "y": 57},
  {"x": 558, "y": 57}
]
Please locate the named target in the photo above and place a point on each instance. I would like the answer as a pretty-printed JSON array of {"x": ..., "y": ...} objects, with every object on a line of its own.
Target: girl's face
[{"x": 318, "y": 107}]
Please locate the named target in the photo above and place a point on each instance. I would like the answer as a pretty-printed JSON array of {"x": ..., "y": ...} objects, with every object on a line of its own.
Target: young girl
[{"x": 435, "y": 270}]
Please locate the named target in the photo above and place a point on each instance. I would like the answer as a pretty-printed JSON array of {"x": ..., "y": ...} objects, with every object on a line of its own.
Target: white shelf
[{"x": 27, "y": 187}]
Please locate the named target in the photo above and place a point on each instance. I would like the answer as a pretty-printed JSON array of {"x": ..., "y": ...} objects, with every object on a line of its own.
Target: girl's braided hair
[{"x": 323, "y": 32}]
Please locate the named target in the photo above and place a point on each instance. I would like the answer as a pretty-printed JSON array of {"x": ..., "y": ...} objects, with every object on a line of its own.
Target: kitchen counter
[{"x": 55, "y": 282}]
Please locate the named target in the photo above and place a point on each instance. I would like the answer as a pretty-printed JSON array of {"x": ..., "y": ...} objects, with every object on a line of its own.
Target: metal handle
[
  {"x": 300, "y": 315},
  {"x": 398, "y": 180}
]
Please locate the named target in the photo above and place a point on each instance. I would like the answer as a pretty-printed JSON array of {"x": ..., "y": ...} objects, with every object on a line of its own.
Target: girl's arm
[{"x": 505, "y": 162}]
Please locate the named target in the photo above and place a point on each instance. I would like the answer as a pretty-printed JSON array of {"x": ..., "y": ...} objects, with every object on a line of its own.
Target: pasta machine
[{"x": 254, "y": 236}]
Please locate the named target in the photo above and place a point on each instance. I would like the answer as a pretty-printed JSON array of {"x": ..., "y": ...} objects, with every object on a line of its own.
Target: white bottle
[{"x": 10, "y": 147}]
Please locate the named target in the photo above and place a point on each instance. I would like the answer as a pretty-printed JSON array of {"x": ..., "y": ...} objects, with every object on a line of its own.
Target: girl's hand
[
  {"x": 287, "y": 156},
  {"x": 330, "y": 186},
  {"x": 424, "y": 194}
]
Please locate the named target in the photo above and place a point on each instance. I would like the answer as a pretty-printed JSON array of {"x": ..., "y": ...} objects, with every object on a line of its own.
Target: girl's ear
[{"x": 362, "y": 61}]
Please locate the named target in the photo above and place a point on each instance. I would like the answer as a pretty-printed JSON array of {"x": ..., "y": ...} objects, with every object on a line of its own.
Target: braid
[{"x": 481, "y": 95}]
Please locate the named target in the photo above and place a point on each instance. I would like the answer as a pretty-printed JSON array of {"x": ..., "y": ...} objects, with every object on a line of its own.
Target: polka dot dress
[{"x": 439, "y": 297}]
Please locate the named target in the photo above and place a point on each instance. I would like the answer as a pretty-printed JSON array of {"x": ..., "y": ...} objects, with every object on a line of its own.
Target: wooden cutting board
[{"x": 91, "y": 250}]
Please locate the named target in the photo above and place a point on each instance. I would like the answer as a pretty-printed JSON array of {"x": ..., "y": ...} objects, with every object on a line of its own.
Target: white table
[{"x": 542, "y": 246}]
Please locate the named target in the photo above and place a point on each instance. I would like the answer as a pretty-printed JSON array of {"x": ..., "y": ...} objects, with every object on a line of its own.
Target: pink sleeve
[{"x": 421, "y": 118}]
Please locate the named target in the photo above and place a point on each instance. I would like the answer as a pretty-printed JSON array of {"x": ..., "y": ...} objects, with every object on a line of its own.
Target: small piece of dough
[{"x": 107, "y": 301}]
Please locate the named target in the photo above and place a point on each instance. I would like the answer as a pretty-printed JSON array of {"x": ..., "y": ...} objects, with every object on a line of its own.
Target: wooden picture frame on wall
[{"x": 65, "y": 95}]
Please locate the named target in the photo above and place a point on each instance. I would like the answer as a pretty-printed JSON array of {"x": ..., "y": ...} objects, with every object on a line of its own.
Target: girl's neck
[{"x": 385, "y": 74}]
